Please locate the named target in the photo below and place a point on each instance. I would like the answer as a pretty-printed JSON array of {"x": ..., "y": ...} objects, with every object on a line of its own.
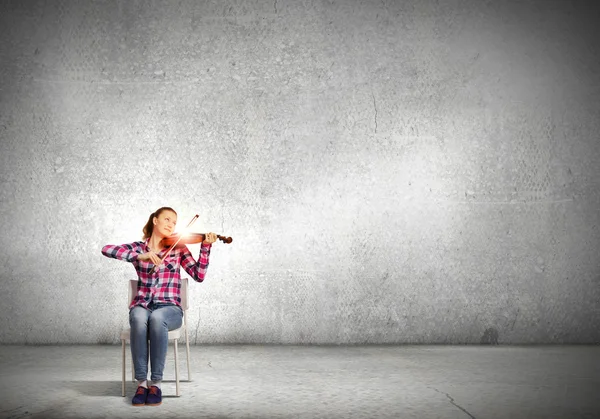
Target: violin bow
[{"x": 174, "y": 244}]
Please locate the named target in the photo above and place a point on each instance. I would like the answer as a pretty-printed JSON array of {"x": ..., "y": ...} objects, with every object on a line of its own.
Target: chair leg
[
  {"x": 123, "y": 365},
  {"x": 176, "y": 369},
  {"x": 187, "y": 345}
]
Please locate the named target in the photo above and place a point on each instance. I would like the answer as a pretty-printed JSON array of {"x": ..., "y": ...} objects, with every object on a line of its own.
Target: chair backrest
[{"x": 183, "y": 294}]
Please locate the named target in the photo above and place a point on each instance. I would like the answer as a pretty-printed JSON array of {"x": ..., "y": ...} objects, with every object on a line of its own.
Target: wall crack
[
  {"x": 515, "y": 320},
  {"x": 197, "y": 325},
  {"x": 375, "y": 106}
]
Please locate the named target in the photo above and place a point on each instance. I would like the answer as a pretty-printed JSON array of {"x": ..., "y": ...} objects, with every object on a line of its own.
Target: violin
[{"x": 190, "y": 238}]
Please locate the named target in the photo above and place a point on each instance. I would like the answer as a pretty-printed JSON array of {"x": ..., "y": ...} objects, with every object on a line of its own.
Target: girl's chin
[{"x": 164, "y": 234}]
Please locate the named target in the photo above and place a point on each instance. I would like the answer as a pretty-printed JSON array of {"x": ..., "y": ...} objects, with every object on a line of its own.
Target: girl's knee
[
  {"x": 161, "y": 320},
  {"x": 138, "y": 316}
]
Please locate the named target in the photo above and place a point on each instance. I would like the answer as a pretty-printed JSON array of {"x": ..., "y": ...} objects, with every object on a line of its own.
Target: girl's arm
[
  {"x": 197, "y": 270},
  {"x": 127, "y": 252}
]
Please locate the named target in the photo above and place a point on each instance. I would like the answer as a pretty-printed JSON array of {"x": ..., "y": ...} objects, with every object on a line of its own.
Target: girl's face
[{"x": 164, "y": 224}]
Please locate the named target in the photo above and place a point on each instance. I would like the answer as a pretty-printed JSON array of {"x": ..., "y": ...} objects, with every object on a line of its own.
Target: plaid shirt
[{"x": 163, "y": 286}]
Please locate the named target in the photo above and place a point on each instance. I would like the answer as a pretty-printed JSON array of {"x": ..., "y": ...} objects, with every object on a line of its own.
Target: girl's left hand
[{"x": 210, "y": 238}]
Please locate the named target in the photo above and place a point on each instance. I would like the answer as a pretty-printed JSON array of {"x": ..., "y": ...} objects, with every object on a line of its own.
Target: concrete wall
[{"x": 390, "y": 171}]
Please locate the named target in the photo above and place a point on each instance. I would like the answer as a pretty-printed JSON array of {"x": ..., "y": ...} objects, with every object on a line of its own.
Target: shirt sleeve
[
  {"x": 197, "y": 270},
  {"x": 127, "y": 252}
]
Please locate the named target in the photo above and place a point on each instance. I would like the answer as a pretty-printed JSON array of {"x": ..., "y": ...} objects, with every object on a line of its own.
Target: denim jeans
[{"x": 152, "y": 324}]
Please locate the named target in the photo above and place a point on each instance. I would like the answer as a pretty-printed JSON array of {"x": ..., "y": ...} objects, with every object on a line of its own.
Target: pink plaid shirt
[{"x": 163, "y": 286}]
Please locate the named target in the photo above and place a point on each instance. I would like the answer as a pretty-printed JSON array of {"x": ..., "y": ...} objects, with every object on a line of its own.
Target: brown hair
[{"x": 149, "y": 227}]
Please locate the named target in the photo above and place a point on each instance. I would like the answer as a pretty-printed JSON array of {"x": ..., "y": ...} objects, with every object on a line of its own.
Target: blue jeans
[{"x": 152, "y": 324}]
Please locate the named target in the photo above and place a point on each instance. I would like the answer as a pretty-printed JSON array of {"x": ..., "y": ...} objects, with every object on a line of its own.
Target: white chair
[{"x": 173, "y": 334}]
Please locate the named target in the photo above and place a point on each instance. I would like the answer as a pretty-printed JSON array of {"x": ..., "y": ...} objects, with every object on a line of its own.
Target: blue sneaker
[
  {"x": 140, "y": 396},
  {"x": 154, "y": 396}
]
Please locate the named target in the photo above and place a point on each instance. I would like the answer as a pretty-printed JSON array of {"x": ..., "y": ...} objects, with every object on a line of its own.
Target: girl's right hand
[{"x": 151, "y": 256}]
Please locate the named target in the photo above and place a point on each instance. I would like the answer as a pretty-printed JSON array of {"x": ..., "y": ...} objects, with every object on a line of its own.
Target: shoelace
[
  {"x": 153, "y": 390},
  {"x": 140, "y": 390}
]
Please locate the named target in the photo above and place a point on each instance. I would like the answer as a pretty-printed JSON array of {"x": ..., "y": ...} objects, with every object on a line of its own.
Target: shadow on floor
[
  {"x": 110, "y": 388},
  {"x": 97, "y": 388}
]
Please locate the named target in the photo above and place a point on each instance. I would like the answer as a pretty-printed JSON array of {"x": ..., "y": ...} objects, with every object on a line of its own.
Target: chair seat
[{"x": 173, "y": 334}]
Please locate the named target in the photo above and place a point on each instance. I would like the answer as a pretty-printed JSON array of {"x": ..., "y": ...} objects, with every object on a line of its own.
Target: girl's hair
[{"x": 149, "y": 227}]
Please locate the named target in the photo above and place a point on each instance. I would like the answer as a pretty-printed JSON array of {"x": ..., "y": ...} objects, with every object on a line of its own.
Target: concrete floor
[{"x": 311, "y": 382}]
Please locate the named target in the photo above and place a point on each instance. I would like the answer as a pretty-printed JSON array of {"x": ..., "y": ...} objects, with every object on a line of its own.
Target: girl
[{"x": 156, "y": 308}]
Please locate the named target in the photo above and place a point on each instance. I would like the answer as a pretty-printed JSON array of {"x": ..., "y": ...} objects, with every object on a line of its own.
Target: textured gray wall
[{"x": 390, "y": 171}]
